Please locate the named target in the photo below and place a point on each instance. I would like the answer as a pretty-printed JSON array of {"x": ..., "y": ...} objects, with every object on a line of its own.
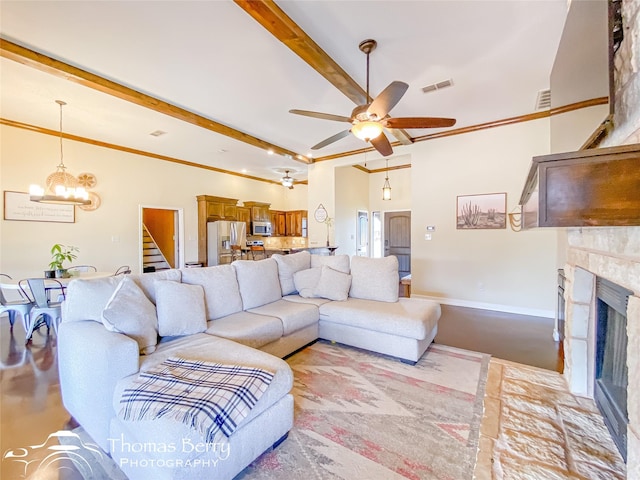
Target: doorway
[
  {"x": 362, "y": 234},
  {"x": 161, "y": 238},
  {"x": 397, "y": 239}
]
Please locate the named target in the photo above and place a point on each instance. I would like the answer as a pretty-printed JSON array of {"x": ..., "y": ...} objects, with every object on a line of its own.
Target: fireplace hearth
[{"x": 611, "y": 374}]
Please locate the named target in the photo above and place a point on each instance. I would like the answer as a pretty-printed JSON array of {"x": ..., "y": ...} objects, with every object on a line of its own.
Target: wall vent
[
  {"x": 544, "y": 99},
  {"x": 437, "y": 86}
]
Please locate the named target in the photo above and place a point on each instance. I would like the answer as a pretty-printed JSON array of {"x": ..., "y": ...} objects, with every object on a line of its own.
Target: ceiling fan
[
  {"x": 369, "y": 120},
  {"x": 287, "y": 181}
]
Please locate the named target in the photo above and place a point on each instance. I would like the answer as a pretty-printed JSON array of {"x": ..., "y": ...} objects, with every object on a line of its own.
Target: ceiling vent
[
  {"x": 543, "y": 101},
  {"x": 157, "y": 133},
  {"x": 437, "y": 86}
]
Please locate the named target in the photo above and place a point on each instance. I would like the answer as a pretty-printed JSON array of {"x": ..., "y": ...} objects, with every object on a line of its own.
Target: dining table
[{"x": 50, "y": 283}]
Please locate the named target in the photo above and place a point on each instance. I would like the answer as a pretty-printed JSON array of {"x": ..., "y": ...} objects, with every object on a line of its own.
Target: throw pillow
[
  {"x": 221, "y": 291},
  {"x": 288, "y": 265},
  {"x": 146, "y": 281},
  {"x": 375, "y": 278},
  {"x": 306, "y": 281},
  {"x": 258, "y": 281},
  {"x": 130, "y": 312},
  {"x": 180, "y": 308},
  {"x": 333, "y": 285},
  {"x": 337, "y": 262},
  {"x": 89, "y": 297}
]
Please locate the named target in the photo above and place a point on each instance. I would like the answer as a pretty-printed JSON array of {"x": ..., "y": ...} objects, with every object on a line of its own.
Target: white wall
[
  {"x": 124, "y": 182},
  {"x": 352, "y": 194},
  {"x": 497, "y": 269}
]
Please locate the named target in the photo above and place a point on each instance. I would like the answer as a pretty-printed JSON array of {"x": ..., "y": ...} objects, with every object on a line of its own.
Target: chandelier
[
  {"x": 386, "y": 188},
  {"x": 62, "y": 187}
]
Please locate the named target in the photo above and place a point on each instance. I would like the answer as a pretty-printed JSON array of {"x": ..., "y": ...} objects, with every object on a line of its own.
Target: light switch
[{"x": 427, "y": 236}]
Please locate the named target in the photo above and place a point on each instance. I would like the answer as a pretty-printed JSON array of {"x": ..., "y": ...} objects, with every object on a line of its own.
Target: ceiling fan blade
[
  {"x": 382, "y": 145},
  {"x": 323, "y": 116},
  {"x": 331, "y": 139},
  {"x": 387, "y": 99},
  {"x": 419, "y": 122}
]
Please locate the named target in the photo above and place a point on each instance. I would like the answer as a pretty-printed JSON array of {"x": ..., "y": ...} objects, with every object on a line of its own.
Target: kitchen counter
[{"x": 324, "y": 250}]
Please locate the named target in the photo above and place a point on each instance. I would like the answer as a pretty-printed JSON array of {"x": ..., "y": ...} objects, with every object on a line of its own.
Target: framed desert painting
[{"x": 482, "y": 211}]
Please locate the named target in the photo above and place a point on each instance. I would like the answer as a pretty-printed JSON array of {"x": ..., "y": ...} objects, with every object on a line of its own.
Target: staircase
[{"x": 152, "y": 257}]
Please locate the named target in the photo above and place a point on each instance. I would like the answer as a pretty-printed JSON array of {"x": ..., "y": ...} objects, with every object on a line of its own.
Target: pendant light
[
  {"x": 386, "y": 188},
  {"x": 62, "y": 187}
]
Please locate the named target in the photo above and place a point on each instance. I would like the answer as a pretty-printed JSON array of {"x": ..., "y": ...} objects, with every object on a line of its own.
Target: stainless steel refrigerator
[{"x": 220, "y": 236}]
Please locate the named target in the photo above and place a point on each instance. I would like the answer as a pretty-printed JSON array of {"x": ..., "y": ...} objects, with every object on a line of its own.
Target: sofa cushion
[
  {"x": 221, "y": 291},
  {"x": 146, "y": 281},
  {"x": 247, "y": 328},
  {"x": 288, "y": 265},
  {"x": 333, "y": 284},
  {"x": 294, "y": 316},
  {"x": 180, "y": 308},
  {"x": 130, "y": 312},
  {"x": 337, "y": 262},
  {"x": 408, "y": 317},
  {"x": 317, "y": 301},
  {"x": 258, "y": 281},
  {"x": 86, "y": 298},
  {"x": 306, "y": 281},
  {"x": 375, "y": 278}
]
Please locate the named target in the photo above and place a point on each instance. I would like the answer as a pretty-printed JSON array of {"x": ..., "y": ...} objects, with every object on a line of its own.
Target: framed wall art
[
  {"x": 481, "y": 211},
  {"x": 17, "y": 206}
]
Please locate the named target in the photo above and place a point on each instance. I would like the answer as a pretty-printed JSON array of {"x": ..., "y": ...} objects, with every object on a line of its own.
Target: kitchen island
[{"x": 322, "y": 250}]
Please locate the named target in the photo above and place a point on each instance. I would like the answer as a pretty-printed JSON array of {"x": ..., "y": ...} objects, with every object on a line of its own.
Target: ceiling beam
[
  {"x": 31, "y": 58},
  {"x": 280, "y": 25}
]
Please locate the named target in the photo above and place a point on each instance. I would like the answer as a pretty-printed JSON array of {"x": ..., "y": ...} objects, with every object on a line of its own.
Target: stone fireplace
[{"x": 612, "y": 254}]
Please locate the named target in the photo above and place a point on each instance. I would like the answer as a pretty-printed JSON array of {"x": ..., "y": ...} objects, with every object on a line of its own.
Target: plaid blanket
[{"x": 210, "y": 397}]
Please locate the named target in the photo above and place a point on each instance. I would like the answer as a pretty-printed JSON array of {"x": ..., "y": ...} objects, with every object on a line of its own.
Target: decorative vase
[
  {"x": 62, "y": 273},
  {"x": 49, "y": 274}
]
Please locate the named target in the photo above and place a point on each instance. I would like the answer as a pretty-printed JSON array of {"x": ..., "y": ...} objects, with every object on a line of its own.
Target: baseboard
[{"x": 534, "y": 312}]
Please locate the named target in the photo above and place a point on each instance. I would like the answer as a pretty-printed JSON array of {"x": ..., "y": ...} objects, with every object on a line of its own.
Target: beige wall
[
  {"x": 108, "y": 236},
  {"x": 352, "y": 194}
]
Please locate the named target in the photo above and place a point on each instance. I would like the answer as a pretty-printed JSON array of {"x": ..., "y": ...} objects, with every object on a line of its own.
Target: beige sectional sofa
[{"x": 249, "y": 313}]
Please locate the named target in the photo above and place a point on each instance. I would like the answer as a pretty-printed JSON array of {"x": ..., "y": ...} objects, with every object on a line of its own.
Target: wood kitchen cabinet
[
  {"x": 259, "y": 211},
  {"x": 210, "y": 209},
  {"x": 278, "y": 223},
  {"x": 296, "y": 223},
  {"x": 244, "y": 215}
]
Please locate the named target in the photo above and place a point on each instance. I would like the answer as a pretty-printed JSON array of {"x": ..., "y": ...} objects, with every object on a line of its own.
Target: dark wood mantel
[{"x": 587, "y": 188}]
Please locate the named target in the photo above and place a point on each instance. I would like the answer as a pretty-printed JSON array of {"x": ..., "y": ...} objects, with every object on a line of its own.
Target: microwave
[{"x": 262, "y": 229}]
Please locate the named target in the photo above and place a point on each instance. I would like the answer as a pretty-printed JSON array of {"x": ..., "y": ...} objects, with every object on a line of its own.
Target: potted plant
[{"x": 60, "y": 254}]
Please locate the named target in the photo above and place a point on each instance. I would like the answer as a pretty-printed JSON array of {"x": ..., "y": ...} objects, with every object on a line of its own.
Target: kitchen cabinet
[
  {"x": 244, "y": 215},
  {"x": 278, "y": 223},
  {"x": 296, "y": 223},
  {"x": 259, "y": 211},
  {"x": 210, "y": 209},
  {"x": 587, "y": 188}
]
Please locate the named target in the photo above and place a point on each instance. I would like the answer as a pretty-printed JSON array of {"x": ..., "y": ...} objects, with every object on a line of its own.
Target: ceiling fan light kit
[
  {"x": 287, "y": 181},
  {"x": 369, "y": 121}
]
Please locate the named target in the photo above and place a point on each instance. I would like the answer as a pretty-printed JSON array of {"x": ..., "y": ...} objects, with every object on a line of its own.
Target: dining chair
[
  {"x": 123, "y": 270},
  {"x": 44, "y": 310},
  {"x": 12, "y": 307},
  {"x": 82, "y": 268}
]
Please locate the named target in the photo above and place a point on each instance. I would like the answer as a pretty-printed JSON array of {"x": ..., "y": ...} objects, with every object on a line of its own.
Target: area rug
[{"x": 361, "y": 415}]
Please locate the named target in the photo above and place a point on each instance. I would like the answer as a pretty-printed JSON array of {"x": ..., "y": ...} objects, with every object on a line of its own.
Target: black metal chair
[{"x": 123, "y": 270}]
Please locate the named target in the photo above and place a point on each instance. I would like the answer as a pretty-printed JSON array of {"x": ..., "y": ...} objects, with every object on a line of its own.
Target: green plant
[{"x": 62, "y": 253}]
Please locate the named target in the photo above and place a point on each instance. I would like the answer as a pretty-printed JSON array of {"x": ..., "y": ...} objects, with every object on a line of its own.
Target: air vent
[
  {"x": 544, "y": 100},
  {"x": 157, "y": 133},
  {"x": 437, "y": 86}
]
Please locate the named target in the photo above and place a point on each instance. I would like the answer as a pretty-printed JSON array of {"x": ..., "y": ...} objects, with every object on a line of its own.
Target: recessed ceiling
[{"x": 213, "y": 59}]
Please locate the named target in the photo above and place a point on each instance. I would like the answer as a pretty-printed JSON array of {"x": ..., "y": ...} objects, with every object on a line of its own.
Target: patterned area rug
[{"x": 359, "y": 415}]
